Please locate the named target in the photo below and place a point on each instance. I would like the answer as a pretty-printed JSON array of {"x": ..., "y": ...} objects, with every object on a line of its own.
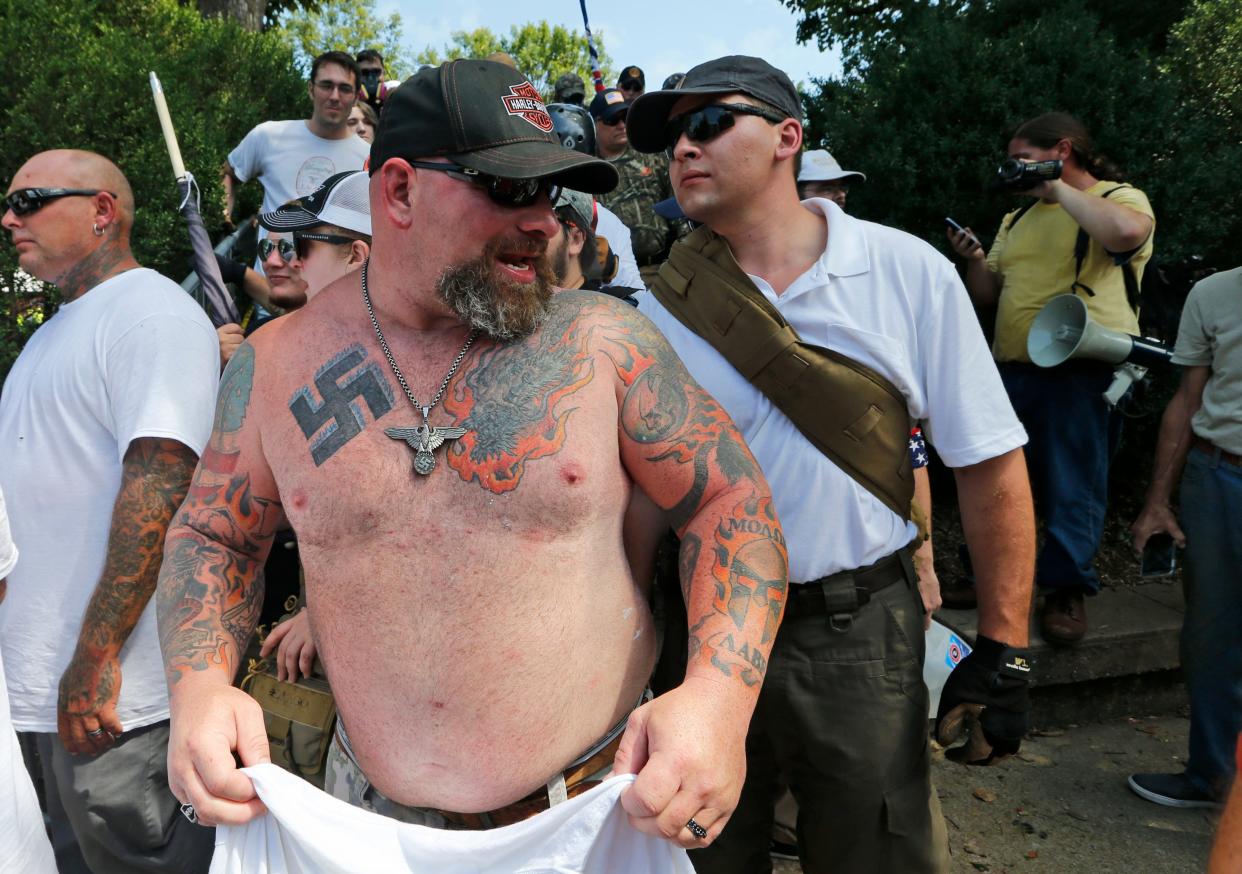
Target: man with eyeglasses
[
  {"x": 644, "y": 182},
  {"x": 456, "y": 448},
  {"x": 843, "y": 716},
  {"x": 292, "y": 158},
  {"x": 102, "y": 420}
]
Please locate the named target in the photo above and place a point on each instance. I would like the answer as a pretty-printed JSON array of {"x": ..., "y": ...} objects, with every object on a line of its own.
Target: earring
[{"x": 97, "y": 229}]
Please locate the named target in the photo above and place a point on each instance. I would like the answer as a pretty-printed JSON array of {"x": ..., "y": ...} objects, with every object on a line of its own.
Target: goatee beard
[{"x": 500, "y": 308}]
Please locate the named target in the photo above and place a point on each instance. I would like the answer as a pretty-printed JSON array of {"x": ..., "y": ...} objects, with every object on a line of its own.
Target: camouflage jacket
[{"x": 643, "y": 184}]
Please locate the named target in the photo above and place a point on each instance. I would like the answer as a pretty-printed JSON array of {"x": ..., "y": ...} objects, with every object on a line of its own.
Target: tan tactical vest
[{"x": 852, "y": 414}]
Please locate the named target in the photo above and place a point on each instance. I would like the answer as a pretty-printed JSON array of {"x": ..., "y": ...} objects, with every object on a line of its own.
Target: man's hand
[
  {"x": 1156, "y": 519},
  {"x": 86, "y": 717},
  {"x": 966, "y": 244},
  {"x": 231, "y": 336},
  {"x": 296, "y": 649},
  {"x": 929, "y": 591},
  {"x": 690, "y": 762},
  {"x": 997, "y": 678},
  {"x": 208, "y": 724}
]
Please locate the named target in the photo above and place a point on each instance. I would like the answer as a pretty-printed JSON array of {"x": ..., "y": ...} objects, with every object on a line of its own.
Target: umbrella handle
[{"x": 170, "y": 135}]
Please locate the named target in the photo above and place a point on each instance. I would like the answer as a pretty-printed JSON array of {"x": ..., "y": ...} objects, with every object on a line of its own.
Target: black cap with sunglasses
[
  {"x": 650, "y": 129},
  {"x": 491, "y": 122},
  {"x": 609, "y": 106}
]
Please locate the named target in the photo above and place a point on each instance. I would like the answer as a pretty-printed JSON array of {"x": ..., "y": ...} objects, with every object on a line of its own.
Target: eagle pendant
[{"x": 424, "y": 440}]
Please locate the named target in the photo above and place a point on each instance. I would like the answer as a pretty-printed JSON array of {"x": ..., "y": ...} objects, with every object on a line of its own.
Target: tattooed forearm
[
  {"x": 154, "y": 477},
  {"x": 211, "y": 584},
  {"x": 734, "y": 629}
]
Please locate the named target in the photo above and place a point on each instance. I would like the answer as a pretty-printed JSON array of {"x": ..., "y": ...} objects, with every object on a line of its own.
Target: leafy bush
[{"x": 77, "y": 74}]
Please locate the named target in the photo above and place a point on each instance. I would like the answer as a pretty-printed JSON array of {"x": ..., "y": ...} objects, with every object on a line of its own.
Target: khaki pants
[{"x": 841, "y": 720}]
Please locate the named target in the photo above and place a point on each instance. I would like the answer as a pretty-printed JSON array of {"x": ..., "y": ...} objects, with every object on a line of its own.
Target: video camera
[{"x": 1016, "y": 175}]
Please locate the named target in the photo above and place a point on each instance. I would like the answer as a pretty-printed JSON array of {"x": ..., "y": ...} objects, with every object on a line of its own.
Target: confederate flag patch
[{"x": 525, "y": 101}]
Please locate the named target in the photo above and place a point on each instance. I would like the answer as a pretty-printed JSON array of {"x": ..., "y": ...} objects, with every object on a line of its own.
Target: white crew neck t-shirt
[
  {"x": 306, "y": 830},
  {"x": 892, "y": 302},
  {"x": 23, "y": 842},
  {"x": 133, "y": 357},
  {"x": 292, "y": 162}
]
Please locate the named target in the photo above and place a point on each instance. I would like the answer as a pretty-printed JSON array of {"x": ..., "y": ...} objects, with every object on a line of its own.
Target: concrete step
[{"x": 1126, "y": 665}]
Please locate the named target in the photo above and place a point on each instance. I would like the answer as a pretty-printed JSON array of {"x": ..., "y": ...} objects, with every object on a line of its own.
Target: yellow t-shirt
[{"x": 1036, "y": 263}]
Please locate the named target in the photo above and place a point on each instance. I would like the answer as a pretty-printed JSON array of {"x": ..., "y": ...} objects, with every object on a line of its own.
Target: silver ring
[
  {"x": 697, "y": 830},
  {"x": 99, "y": 732},
  {"x": 188, "y": 811}
]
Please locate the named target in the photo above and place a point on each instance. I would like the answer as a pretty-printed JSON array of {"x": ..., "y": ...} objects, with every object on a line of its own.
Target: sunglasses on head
[
  {"x": 24, "y": 201},
  {"x": 708, "y": 122},
  {"x": 301, "y": 241},
  {"x": 501, "y": 189},
  {"x": 285, "y": 248}
]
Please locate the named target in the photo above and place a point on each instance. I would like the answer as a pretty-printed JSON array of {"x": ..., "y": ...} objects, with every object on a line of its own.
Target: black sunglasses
[
  {"x": 285, "y": 248},
  {"x": 708, "y": 122},
  {"x": 617, "y": 119},
  {"x": 501, "y": 189},
  {"x": 24, "y": 201},
  {"x": 300, "y": 240}
]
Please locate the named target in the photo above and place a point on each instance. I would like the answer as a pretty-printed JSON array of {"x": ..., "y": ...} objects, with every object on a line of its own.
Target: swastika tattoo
[{"x": 338, "y": 418}]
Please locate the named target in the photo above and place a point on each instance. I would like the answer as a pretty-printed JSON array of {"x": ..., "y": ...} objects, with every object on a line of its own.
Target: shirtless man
[{"x": 479, "y": 623}]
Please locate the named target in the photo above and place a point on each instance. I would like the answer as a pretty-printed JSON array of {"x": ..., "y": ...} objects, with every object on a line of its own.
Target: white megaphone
[{"x": 1063, "y": 330}]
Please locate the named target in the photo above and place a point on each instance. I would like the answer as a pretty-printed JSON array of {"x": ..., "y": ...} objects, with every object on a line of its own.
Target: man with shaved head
[{"x": 101, "y": 422}]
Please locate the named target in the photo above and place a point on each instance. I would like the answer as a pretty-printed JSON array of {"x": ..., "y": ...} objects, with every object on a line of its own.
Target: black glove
[
  {"x": 994, "y": 678},
  {"x": 231, "y": 271}
]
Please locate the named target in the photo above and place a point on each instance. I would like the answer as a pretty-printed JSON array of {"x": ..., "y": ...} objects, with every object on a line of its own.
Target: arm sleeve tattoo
[
  {"x": 154, "y": 477},
  {"x": 682, "y": 448},
  {"x": 211, "y": 586}
]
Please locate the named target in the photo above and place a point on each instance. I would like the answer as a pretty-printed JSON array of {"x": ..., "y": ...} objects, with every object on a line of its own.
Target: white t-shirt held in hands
[{"x": 306, "y": 830}]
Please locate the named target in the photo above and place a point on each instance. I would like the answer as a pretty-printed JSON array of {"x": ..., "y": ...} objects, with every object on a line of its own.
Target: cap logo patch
[
  {"x": 524, "y": 101},
  {"x": 614, "y": 97}
]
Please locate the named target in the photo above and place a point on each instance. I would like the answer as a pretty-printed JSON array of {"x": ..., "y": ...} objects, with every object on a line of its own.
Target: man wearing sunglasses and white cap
[
  {"x": 842, "y": 717},
  {"x": 821, "y": 176},
  {"x": 455, "y": 446}
]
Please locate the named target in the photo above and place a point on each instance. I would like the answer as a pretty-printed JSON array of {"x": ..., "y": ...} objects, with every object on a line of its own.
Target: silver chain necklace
[{"x": 424, "y": 438}]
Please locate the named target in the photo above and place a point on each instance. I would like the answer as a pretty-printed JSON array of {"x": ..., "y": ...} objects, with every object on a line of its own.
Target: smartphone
[
  {"x": 955, "y": 226},
  {"x": 1159, "y": 556}
]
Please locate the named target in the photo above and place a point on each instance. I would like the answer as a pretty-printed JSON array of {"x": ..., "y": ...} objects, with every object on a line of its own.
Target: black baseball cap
[
  {"x": 732, "y": 74},
  {"x": 486, "y": 116},
  {"x": 632, "y": 76},
  {"x": 608, "y": 104}
]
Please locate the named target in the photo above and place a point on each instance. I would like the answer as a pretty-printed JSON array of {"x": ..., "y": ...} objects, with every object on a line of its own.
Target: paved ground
[{"x": 1063, "y": 807}]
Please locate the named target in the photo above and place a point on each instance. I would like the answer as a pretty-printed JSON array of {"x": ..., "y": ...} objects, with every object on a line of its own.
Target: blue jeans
[
  {"x": 1068, "y": 425},
  {"x": 1210, "y": 512}
]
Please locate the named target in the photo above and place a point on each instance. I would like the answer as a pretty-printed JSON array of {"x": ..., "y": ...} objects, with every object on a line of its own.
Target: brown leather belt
[
  {"x": 1212, "y": 449},
  {"x": 847, "y": 591},
  {"x": 577, "y": 781}
]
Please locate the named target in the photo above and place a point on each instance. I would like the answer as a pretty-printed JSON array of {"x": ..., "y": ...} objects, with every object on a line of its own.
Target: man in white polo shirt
[{"x": 842, "y": 715}]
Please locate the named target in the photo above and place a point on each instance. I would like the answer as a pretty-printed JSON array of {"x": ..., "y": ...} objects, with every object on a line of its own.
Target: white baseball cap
[
  {"x": 343, "y": 200},
  {"x": 819, "y": 166}
]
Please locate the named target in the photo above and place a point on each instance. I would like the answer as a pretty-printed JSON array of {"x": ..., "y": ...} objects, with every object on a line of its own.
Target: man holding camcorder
[{"x": 1085, "y": 234}]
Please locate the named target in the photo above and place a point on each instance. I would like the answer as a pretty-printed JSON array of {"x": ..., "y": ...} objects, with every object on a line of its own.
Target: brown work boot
[{"x": 1063, "y": 621}]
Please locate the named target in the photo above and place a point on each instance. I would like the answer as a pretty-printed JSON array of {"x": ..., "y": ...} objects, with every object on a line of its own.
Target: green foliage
[
  {"x": 542, "y": 51},
  {"x": 348, "y": 26},
  {"x": 1207, "y": 56},
  {"x": 926, "y": 117},
  {"x": 78, "y": 75}
]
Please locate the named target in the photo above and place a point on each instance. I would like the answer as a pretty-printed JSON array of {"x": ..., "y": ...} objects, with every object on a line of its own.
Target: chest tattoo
[
  {"x": 511, "y": 404},
  {"x": 346, "y": 383}
]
